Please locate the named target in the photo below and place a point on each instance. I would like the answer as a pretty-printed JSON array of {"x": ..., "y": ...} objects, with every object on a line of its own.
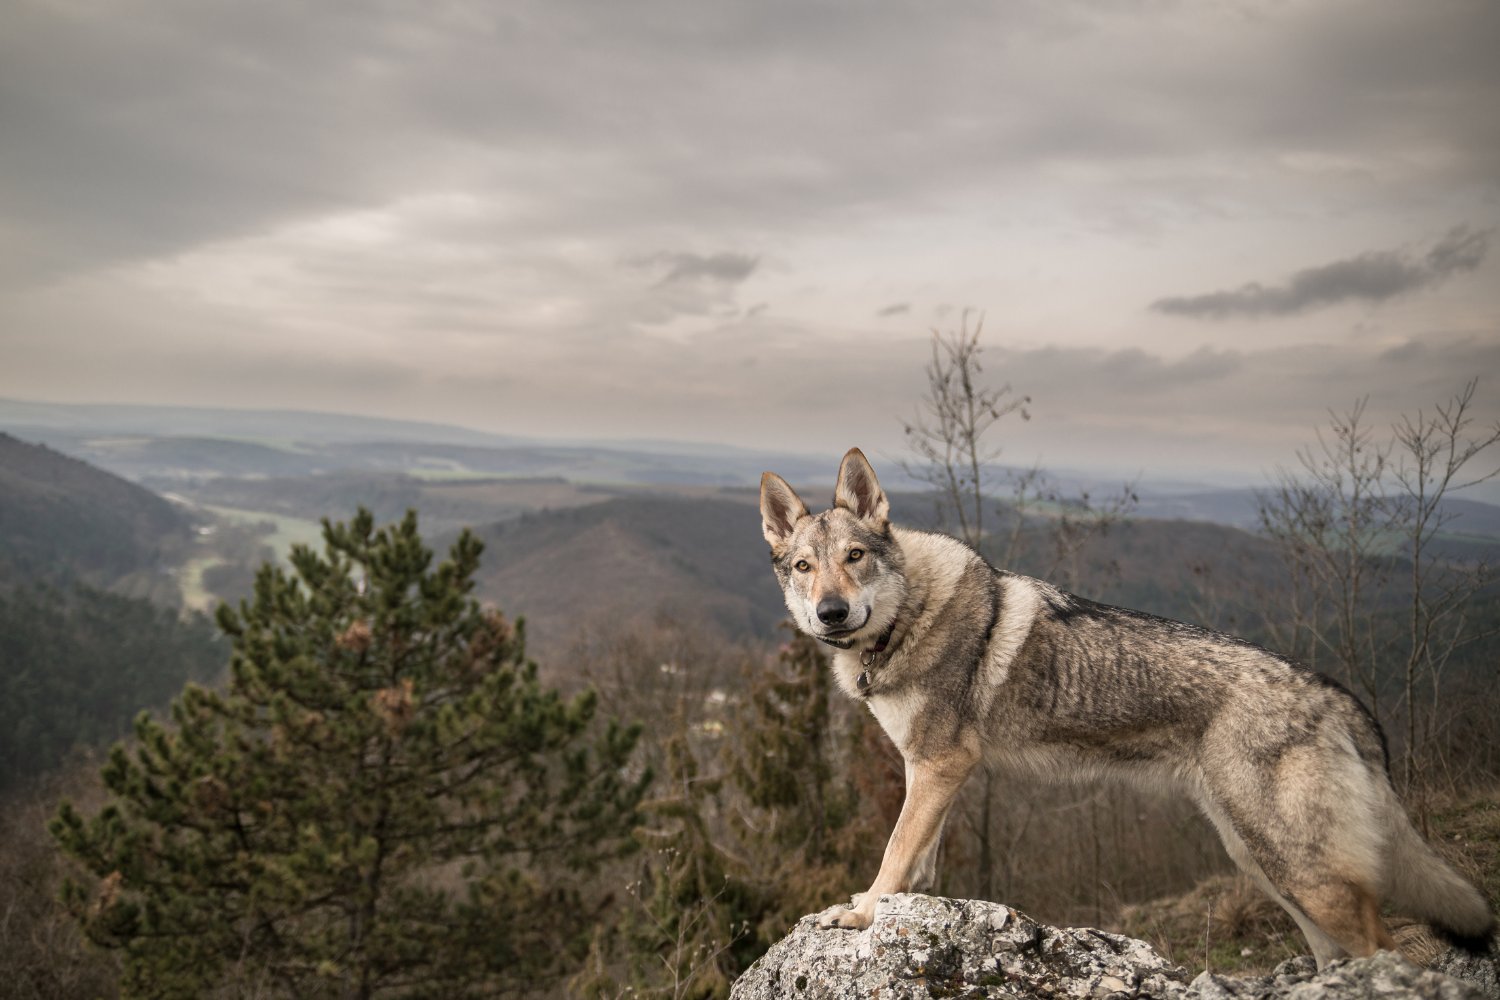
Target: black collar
[
  {"x": 866, "y": 656},
  {"x": 879, "y": 647}
]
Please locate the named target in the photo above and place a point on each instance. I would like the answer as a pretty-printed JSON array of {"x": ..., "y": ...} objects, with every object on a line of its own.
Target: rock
[
  {"x": 1385, "y": 974},
  {"x": 1483, "y": 970},
  {"x": 928, "y": 946}
]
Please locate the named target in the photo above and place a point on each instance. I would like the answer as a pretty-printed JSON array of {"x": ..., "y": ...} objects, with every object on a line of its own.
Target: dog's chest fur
[
  {"x": 896, "y": 699},
  {"x": 960, "y": 628}
]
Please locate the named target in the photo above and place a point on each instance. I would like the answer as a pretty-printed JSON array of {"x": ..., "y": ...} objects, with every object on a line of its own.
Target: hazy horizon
[
  {"x": 60, "y": 425},
  {"x": 1191, "y": 229}
]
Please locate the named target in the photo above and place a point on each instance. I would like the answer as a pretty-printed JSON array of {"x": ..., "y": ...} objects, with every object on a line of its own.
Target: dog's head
[{"x": 841, "y": 570}]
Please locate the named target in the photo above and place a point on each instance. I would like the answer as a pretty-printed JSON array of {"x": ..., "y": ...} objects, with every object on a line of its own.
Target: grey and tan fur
[{"x": 964, "y": 665}]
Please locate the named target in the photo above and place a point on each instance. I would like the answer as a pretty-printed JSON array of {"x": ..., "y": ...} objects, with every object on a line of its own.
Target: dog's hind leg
[
  {"x": 1302, "y": 829},
  {"x": 1324, "y": 948},
  {"x": 1349, "y": 912},
  {"x": 931, "y": 786}
]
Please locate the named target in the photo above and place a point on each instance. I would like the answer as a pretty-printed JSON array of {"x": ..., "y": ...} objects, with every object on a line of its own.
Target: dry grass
[
  {"x": 1223, "y": 924},
  {"x": 1466, "y": 831},
  {"x": 42, "y": 952}
]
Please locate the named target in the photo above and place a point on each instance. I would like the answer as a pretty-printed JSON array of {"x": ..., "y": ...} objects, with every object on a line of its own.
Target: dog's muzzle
[{"x": 833, "y": 612}]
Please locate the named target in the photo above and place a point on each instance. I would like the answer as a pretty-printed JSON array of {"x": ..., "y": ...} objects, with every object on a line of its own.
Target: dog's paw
[{"x": 839, "y": 915}]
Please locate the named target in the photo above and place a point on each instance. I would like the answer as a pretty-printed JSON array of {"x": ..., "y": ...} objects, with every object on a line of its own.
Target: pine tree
[
  {"x": 801, "y": 765},
  {"x": 745, "y": 835},
  {"x": 689, "y": 935},
  {"x": 384, "y": 802}
]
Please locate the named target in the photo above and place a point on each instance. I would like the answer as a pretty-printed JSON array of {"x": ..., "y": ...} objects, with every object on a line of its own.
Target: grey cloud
[
  {"x": 133, "y": 132},
  {"x": 1220, "y": 410},
  {"x": 1370, "y": 277},
  {"x": 896, "y": 309},
  {"x": 728, "y": 268},
  {"x": 1404, "y": 353},
  {"x": 140, "y": 128},
  {"x": 1130, "y": 369},
  {"x": 687, "y": 284},
  {"x": 1146, "y": 370},
  {"x": 1444, "y": 360},
  {"x": 1461, "y": 250},
  {"x": 681, "y": 268}
]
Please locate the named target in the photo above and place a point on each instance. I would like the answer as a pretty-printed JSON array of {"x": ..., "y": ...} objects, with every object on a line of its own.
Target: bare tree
[
  {"x": 1079, "y": 520},
  {"x": 1333, "y": 522},
  {"x": 1435, "y": 457},
  {"x": 1361, "y": 511},
  {"x": 949, "y": 433}
]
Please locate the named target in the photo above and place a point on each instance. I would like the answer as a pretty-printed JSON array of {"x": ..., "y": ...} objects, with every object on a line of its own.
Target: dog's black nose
[{"x": 833, "y": 610}]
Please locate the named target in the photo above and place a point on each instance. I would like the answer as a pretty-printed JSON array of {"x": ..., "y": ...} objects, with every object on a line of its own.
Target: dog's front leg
[{"x": 931, "y": 786}]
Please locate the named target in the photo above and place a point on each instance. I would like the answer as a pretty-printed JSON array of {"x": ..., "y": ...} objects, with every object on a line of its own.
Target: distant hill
[
  {"x": 444, "y": 504},
  {"x": 1195, "y": 571},
  {"x": 59, "y": 515},
  {"x": 1239, "y": 508},
  {"x": 1463, "y": 516},
  {"x": 701, "y": 562},
  {"x": 171, "y": 461},
  {"x": 226, "y": 424},
  {"x": 164, "y": 446}
]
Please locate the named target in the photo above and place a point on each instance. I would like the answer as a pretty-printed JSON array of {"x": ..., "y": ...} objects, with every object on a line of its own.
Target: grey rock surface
[
  {"x": 1481, "y": 970},
  {"x": 928, "y": 946},
  {"x": 1385, "y": 974}
]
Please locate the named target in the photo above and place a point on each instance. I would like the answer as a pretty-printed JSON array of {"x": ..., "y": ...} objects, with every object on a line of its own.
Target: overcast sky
[{"x": 1191, "y": 226}]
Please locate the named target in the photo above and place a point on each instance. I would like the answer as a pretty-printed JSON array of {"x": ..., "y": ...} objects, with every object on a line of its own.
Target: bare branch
[
  {"x": 949, "y": 432},
  {"x": 1358, "y": 510}
]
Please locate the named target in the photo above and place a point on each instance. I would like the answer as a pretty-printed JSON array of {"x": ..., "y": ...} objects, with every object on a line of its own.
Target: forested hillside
[
  {"x": 77, "y": 664},
  {"x": 700, "y": 563},
  {"x": 62, "y": 516},
  {"x": 90, "y": 632}
]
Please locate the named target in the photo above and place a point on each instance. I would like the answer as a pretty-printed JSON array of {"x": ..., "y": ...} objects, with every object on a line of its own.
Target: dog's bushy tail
[{"x": 1422, "y": 885}]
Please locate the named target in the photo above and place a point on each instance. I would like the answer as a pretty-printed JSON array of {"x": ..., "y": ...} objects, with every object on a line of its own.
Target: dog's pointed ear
[
  {"x": 859, "y": 492},
  {"x": 780, "y": 508}
]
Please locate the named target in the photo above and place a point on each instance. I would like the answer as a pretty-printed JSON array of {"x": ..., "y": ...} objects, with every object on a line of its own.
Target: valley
[{"x": 575, "y": 533}]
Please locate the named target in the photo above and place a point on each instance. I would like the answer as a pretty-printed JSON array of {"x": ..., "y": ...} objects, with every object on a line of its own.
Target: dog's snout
[{"x": 833, "y": 610}]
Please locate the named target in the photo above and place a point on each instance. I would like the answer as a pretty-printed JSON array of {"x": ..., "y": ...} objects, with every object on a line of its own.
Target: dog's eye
[
  {"x": 801, "y": 565},
  {"x": 855, "y": 555}
]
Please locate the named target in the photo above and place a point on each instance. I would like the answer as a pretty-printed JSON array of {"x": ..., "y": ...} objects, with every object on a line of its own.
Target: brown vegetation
[{"x": 43, "y": 954}]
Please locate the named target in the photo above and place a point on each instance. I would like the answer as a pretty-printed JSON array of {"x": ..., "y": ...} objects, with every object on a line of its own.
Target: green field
[
  {"x": 190, "y": 581},
  {"x": 277, "y": 531},
  {"x": 288, "y": 531}
]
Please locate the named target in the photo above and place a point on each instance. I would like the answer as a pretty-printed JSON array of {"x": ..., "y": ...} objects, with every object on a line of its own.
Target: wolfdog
[{"x": 964, "y": 665}]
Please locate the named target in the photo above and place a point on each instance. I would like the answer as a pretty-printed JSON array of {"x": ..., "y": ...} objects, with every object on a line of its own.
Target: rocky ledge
[{"x": 927, "y": 946}]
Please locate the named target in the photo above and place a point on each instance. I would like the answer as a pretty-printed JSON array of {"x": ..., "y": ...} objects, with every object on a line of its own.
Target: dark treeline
[
  {"x": 62, "y": 516},
  {"x": 78, "y": 663}
]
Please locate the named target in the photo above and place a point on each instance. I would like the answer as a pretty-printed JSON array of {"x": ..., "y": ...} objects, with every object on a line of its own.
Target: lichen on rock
[{"x": 929, "y": 946}]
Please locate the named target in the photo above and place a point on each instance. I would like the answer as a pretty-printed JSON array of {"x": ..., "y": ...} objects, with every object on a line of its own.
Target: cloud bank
[{"x": 1370, "y": 277}]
